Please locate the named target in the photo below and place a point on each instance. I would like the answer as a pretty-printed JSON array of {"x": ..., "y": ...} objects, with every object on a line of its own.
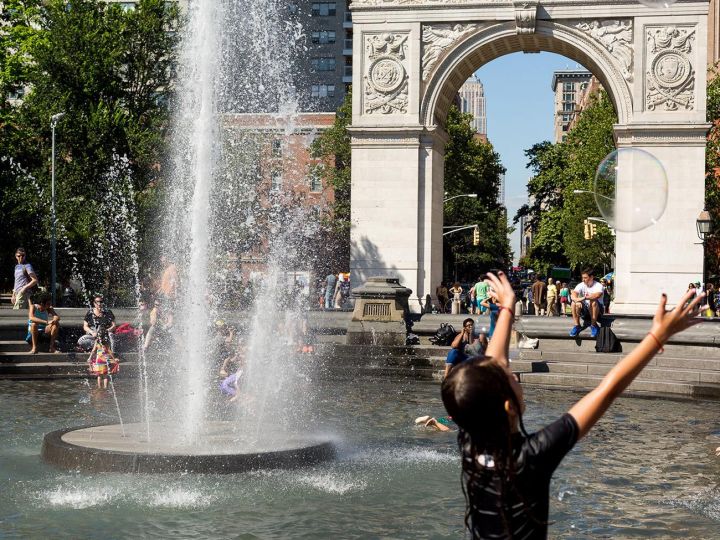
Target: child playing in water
[
  {"x": 443, "y": 423},
  {"x": 506, "y": 471},
  {"x": 102, "y": 361}
]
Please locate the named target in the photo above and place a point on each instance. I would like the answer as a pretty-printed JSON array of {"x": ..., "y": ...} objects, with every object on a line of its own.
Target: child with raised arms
[{"x": 506, "y": 472}]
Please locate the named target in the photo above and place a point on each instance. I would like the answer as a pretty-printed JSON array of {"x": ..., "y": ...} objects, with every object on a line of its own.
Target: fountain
[{"x": 235, "y": 59}]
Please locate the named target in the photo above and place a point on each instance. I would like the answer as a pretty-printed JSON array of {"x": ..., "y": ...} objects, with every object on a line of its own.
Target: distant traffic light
[
  {"x": 476, "y": 236},
  {"x": 593, "y": 229},
  {"x": 587, "y": 229}
]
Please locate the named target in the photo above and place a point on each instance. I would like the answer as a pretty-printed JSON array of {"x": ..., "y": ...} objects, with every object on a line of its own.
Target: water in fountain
[{"x": 236, "y": 59}]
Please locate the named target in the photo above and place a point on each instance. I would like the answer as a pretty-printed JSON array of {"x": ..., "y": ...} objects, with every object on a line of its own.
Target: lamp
[{"x": 704, "y": 225}]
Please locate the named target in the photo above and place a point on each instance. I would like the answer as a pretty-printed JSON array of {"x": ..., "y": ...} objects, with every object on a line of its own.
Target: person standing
[
  {"x": 329, "y": 290},
  {"x": 564, "y": 298},
  {"x": 711, "y": 299},
  {"x": 552, "y": 298},
  {"x": 539, "y": 291},
  {"x": 442, "y": 295},
  {"x": 481, "y": 294},
  {"x": 25, "y": 281},
  {"x": 456, "y": 291}
]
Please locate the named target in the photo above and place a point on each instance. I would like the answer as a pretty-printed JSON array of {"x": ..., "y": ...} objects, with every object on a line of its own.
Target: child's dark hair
[{"x": 474, "y": 395}]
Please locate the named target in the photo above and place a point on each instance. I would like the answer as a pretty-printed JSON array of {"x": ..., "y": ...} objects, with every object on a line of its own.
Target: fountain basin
[{"x": 104, "y": 448}]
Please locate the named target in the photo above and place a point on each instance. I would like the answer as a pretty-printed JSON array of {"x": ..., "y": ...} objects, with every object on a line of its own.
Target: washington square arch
[{"x": 412, "y": 56}]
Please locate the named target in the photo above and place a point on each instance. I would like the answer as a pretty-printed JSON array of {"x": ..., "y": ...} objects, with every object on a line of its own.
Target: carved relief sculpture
[
  {"x": 386, "y": 78},
  {"x": 525, "y": 16},
  {"x": 616, "y": 37},
  {"x": 437, "y": 39},
  {"x": 670, "y": 77}
]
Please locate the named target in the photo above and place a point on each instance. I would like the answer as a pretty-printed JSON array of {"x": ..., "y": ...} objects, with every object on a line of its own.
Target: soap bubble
[
  {"x": 657, "y": 4},
  {"x": 631, "y": 189}
]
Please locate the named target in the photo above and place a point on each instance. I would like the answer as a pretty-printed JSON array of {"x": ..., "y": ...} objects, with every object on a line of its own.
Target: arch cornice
[{"x": 499, "y": 39}]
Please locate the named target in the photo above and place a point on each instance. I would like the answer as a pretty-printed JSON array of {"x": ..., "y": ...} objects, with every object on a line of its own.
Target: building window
[
  {"x": 322, "y": 90},
  {"x": 276, "y": 181},
  {"x": 323, "y": 64},
  {"x": 324, "y": 9},
  {"x": 323, "y": 37},
  {"x": 568, "y": 97},
  {"x": 315, "y": 182},
  {"x": 568, "y": 87},
  {"x": 566, "y": 118},
  {"x": 568, "y": 107},
  {"x": 277, "y": 148}
]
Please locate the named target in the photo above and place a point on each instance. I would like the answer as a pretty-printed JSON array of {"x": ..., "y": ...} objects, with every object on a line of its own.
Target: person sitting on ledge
[
  {"x": 587, "y": 301},
  {"x": 457, "y": 354},
  {"x": 506, "y": 472},
  {"x": 97, "y": 319},
  {"x": 41, "y": 325}
]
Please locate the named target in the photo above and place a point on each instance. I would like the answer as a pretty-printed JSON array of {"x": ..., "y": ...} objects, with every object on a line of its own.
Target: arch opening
[{"x": 499, "y": 40}]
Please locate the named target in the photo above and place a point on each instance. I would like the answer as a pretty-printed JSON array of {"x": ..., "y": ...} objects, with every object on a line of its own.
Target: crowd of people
[{"x": 333, "y": 292}]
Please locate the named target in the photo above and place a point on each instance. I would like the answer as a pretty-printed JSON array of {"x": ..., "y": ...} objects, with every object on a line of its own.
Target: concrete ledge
[{"x": 86, "y": 458}]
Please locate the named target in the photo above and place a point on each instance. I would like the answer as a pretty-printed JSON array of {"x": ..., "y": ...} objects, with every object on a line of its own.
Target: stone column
[{"x": 666, "y": 256}]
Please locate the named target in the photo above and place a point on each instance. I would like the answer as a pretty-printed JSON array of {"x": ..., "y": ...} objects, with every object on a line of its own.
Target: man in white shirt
[{"x": 588, "y": 294}]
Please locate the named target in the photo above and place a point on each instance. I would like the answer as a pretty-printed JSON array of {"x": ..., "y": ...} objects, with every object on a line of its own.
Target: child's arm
[
  {"x": 499, "y": 346},
  {"x": 590, "y": 409}
]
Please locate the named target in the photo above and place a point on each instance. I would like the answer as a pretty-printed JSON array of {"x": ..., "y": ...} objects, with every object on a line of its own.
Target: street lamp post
[
  {"x": 471, "y": 195},
  {"x": 54, "y": 119},
  {"x": 704, "y": 229}
]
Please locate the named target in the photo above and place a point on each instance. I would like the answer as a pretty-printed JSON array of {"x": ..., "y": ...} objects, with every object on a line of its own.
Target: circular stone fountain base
[{"x": 106, "y": 449}]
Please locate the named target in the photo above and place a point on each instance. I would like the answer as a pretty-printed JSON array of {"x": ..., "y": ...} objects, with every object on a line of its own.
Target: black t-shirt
[
  {"x": 105, "y": 319},
  {"x": 536, "y": 458}
]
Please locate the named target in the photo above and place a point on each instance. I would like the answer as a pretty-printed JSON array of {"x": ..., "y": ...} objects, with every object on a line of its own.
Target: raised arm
[
  {"x": 590, "y": 409},
  {"x": 499, "y": 346}
]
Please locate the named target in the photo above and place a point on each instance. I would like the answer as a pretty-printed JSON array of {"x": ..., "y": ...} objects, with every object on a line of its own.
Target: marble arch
[{"x": 411, "y": 56}]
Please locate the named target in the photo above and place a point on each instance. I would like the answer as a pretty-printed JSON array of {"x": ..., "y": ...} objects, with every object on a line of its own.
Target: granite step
[
  {"x": 13, "y": 346},
  {"x": 588, "y": 345},
  {"x": 68, "y": 369},
  {"x": 666, "y": 360},
  {"x": 640, "y": 386},
  {"x": 19, "y": 357}
]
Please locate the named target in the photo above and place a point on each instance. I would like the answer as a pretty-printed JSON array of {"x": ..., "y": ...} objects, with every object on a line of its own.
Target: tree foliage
[
  {"x": 712, "y": 172},
  {"x": 332, "y": 149},
  {"x": 109, "y": 70},
  {"x": 556, "y": 214},
  {"x": 472, "y": 166}
]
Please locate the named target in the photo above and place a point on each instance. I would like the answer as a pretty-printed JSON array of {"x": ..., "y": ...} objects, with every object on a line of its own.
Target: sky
[{"x": 519, "y": 105}]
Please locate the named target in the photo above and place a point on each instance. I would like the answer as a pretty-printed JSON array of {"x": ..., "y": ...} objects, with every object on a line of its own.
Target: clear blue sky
[{"x": 519, "y": 103}]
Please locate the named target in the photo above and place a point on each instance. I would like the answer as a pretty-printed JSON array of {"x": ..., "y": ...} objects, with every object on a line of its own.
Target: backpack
[
  {"x": 444, "y": 335},
  {"x": 607, "y": 341}
]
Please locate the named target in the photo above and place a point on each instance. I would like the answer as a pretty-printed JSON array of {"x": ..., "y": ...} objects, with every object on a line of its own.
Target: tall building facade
[
  {"x": 568, "y": 85},
  {"x": 472, "y": 100},
  {"x": 324, "y": 72}
]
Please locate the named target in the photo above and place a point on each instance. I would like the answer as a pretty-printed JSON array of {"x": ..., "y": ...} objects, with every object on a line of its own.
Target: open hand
[
  {"x": 503, "y": 290},
  {"x": 668, "y": 323}
]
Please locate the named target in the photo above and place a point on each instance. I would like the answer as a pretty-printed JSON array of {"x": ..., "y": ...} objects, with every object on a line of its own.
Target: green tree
[
  {"x": 556, "y": 214},
  {"x": 109, "y": 71},
  {"x": 712, "y": 172},
  {"x": 332, "y": 149},
  {"x": 473, "y": 167}
]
